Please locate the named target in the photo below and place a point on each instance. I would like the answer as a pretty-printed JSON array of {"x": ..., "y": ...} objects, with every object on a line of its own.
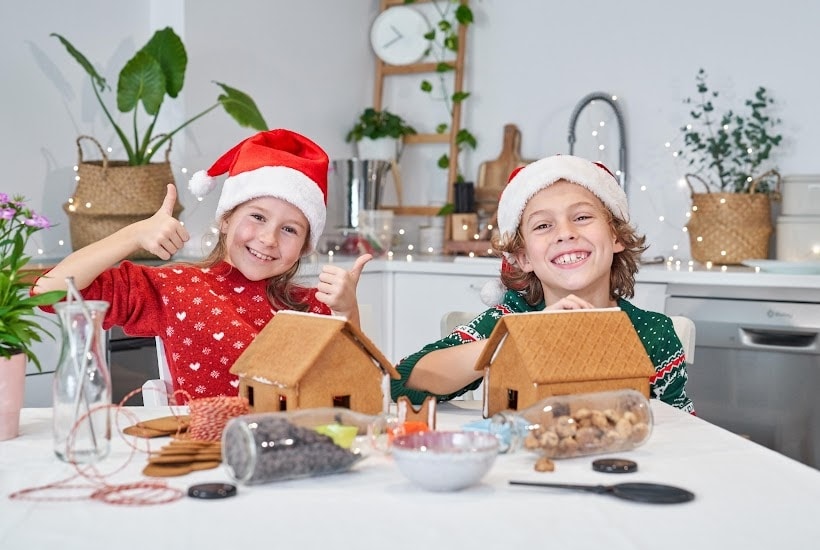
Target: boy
[{"x": 566, "y": 242}]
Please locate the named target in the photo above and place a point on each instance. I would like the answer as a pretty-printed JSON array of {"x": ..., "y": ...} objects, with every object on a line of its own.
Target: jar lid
[{"x": 614, "y": 465}]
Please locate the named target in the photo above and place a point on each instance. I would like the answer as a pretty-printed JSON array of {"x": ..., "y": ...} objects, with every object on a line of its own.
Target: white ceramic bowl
[{"x": 445, "y": 461}]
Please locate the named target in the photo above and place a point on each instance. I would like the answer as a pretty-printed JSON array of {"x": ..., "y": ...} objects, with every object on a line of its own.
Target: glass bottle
[
  {"x": 82, "y": 384},
  {"x": 275, "y": 446},
  {"x": 567, "y": 426}
]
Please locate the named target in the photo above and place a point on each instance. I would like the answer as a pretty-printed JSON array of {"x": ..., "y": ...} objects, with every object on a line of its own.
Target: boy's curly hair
[{"x": 621, "y": 276}]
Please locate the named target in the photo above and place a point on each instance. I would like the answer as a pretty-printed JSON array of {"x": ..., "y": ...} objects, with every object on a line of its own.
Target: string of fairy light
[{"x": 596, "y": 129}]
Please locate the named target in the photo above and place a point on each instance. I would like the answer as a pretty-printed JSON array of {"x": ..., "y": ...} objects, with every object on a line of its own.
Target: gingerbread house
[
  {"x": 305, "y": 360},
  {"x": 531, "y": 356}
]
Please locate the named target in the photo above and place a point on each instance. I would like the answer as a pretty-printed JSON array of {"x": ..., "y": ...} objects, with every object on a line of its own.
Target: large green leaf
[
  {"x": 84, "y": 63},
  {"x": 167, "y": 48},
  {"x": 241, "y": 107},
  {"x": 141, "y": 80}
]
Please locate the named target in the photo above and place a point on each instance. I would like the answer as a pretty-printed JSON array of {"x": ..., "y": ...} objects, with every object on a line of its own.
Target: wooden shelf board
[
  {"x": 412, "y": 210},
  {"x": 479, "y": 248},
  {"x": 413, "y": 68},
  {"x": 427, "y": 138}
]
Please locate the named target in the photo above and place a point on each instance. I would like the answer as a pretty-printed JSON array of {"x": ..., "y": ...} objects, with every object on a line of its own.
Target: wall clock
[{"x": 397, "y": 35}]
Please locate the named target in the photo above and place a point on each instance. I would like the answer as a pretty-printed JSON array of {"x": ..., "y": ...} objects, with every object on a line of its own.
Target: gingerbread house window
[
  {"x": 341, "y": 401},
  {"x": 512, "y": 399}
]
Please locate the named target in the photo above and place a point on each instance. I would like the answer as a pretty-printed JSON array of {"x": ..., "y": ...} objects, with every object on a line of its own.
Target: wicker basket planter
[
  {"x": 728, "y": 228},
  {"x": 112, "y": 194}
]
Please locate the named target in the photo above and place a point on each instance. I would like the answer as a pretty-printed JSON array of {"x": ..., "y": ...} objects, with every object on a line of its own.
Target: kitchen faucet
[{"x": 573, "y": 120}]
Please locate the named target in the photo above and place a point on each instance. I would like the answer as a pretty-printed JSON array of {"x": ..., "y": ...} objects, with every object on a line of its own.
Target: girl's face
[
  {"x": 264, "y": 237},
  {"x": 569, "y": 243}
]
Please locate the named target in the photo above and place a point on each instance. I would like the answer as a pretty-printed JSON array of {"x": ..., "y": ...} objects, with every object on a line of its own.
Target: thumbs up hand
[
  {"x": 337, "y": 288},
  {"x": 162, "y": 234}
]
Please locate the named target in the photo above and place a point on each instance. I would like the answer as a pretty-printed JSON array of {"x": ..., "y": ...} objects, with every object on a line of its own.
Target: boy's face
[
  {"x": 265, "y": 237},
  {"x": 568, "y": 243}
]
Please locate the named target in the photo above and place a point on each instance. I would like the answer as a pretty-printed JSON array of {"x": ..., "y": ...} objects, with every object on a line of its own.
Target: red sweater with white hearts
[{"x": 205, "y": 316}]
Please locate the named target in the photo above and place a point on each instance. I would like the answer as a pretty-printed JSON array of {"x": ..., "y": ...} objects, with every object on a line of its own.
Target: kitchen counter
[{"x": 695, "y": 279}]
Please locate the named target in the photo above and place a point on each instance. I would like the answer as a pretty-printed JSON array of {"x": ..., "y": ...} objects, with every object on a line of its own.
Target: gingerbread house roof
[
  {"x": 572, "y": 345},
  {"x": 294, "y": 342}
]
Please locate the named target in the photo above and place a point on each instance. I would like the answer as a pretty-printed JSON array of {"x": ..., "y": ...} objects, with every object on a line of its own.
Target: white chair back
[
  {"x": 155, "y": 392},
  {"x": 685, "y": 329}
]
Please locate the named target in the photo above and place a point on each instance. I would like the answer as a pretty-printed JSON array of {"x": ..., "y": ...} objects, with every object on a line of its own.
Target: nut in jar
[{"x": 576, "y": 425}]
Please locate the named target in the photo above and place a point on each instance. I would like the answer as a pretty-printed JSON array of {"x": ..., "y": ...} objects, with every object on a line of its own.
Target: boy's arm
[
  {"x": 446, "y": 371},
  {"x": 161, "y": 234}
]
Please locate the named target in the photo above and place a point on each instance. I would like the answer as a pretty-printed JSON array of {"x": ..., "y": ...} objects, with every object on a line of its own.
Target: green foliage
[
  {"x": 375, "y": 124},
  {"x": 157, "y": 70},
  {"x": 443, "y": 43},
  {"x": 730, "y": 151},
  {"x": 18, "y": 326}
]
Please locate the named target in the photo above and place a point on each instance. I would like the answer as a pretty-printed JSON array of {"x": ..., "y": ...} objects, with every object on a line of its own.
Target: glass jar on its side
[
  {"x": 567, "y": 426},
  {"x": 276, "y": 446}
]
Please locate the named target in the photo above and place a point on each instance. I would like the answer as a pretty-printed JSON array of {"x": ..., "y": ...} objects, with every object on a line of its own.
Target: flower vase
[{"x": 12, "y": 389}]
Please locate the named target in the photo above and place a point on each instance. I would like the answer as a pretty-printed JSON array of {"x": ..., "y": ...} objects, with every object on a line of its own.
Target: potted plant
[
  {"x": 731, "y": 152},
  {"x": 729, "y": 159},
  {"x": 19, "y": 329},
  {"x": 378, "y": 134},
  {"x": 134, "y": 188}
]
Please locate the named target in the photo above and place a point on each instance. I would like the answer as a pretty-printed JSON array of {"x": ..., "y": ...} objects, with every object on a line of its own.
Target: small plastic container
[
  {"x": 265, "y": 447},
  {"x": 567, "y": 426}
]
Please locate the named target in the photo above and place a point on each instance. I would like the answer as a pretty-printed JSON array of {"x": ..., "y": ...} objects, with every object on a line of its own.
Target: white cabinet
[
  {"x": 419, "y": 302},
  {"x": 372, "y": 296},
  {"x": 650, "y": 296}
]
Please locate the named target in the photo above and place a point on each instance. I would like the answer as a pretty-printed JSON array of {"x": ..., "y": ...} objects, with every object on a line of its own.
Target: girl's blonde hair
[
  {"x": 621, "y": 275},
  {"x": 280, "y": 289}
]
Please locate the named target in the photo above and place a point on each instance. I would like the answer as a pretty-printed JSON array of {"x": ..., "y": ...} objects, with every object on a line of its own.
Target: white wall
[{"x": 309, "y": 66}]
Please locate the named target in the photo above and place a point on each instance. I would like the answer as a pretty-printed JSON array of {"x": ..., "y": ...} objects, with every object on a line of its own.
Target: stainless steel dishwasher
[{"x": 757, "y": 370}]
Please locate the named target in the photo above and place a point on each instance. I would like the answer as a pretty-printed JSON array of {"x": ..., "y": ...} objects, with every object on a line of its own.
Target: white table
[{"x": 746, "y": 497}]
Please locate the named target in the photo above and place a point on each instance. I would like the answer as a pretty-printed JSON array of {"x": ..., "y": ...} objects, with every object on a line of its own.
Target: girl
[
  {"x": 565, "y": 237},
  {"x": 271, "y": 212}
]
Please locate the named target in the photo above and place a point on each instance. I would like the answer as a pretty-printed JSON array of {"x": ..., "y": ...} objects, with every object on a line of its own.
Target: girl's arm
[{"x": 161, "y": 235}]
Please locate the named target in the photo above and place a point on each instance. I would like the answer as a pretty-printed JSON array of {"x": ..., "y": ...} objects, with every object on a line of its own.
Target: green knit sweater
[{"x": 654, "y": 329}]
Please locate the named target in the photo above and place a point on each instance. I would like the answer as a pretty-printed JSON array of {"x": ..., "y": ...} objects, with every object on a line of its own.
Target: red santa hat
[
  {"x": 275, "y": 163},
  {"x": 526, "y": 181}
]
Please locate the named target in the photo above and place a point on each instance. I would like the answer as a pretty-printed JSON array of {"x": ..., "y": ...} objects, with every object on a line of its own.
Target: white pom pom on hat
[
  {"x": 275, "y": 163},
  {"x": 526, "y": 181},
  {"x": 492, "y": 293},
  {"x": 201, "y": 184}
]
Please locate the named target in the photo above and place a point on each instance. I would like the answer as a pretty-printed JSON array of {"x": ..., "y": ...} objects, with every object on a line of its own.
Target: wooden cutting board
[{"x": 493, "y": 174}]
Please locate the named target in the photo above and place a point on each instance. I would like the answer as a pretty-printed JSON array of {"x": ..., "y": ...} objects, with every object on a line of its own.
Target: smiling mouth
[
  {"x": 571, "y": 258},
  {"x": 259, "y": 255}
]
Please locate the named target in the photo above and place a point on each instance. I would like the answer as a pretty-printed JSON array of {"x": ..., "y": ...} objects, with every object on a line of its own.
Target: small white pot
[
  {"x": 798, "y": 238},
  {"x": 801, "y": 195},
  {"x": 378, "y": 149}
]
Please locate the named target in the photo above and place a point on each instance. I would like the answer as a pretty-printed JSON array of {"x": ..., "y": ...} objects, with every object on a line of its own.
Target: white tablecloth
[{"x": 746, "y": 497}]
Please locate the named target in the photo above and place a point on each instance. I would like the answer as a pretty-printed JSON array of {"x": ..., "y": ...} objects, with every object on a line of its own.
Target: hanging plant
[{"x": 443, "y": 44}]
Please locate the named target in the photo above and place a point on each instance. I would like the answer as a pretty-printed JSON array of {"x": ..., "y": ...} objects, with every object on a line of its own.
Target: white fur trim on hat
[
  {"x": 542, "y": 173},
  {"x": 280, "y": 182}
]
